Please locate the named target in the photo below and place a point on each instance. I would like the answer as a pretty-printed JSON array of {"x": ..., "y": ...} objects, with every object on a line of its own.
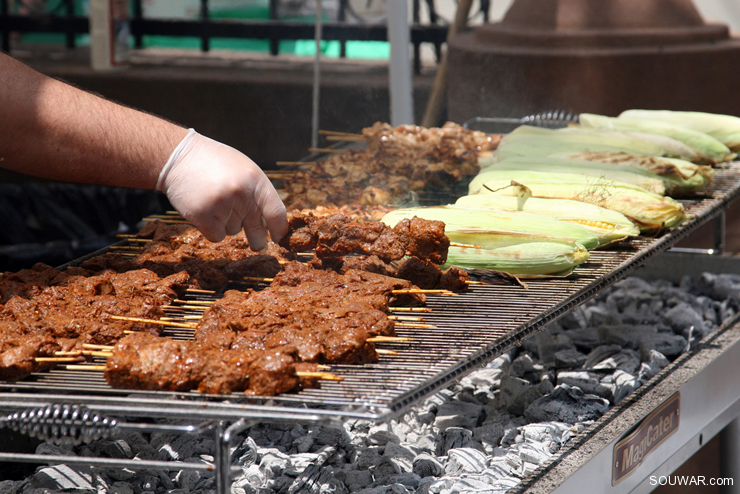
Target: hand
[{"x": 221, "y": 191}]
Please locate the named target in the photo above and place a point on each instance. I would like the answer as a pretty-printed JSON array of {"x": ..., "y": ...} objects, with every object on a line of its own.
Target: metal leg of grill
[
  {"x": 223, "y": 453},
  {"x": 729, "y": 452}
]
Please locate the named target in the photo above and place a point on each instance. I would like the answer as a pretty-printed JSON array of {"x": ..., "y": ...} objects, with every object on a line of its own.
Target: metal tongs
[{"x": 553, "y": 119}]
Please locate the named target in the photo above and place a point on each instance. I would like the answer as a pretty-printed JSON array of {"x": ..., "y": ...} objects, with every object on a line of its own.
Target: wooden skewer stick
[
  {"x": 60, "y": 359},
  {"x": 196, "y": 302},
  {"x": 155, "y": 321},
  {"x": 326, "y": 376},
  {"x": 406, "y": 318},
  {"x": 172, "y": 212},
  {"x": 346, "y": 138},
  {"x": 381, "y": 351},
  {"x": 93, "y": 353},
  {"x": 254, "y": 278},
  {"x": 327, "y": 150},
  {"x": 470, "y": 246},
  {"x": 413, "y": 325},
  {"x": 388, "y": 339},
  {"x": 420, "y": 290},
  {"x": 72, "y": 353},
  {"x": 90, "y": 346},
  {"x": 125, "y": 247},
  {"x": 296, "y": 163},
  {"x": 337, "y": 133},
  {"x": 125, "y": 235},
  {"x": 192, "y": 318},
  {"x": 142, "y": 240},
  {"x": 279, "y": 175},
  {"x": 198, "y": 290},
  {"x": 471, "y": 282},
  {"x": 85, "y": 367},
  {"x": 323, "y": 367},
  {"x": 168, "y": 222},
  {"x": 410, "y": 309}
]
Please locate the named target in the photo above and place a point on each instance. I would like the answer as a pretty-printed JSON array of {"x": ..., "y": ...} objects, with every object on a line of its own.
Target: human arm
[{"x": 52, "y": 130}]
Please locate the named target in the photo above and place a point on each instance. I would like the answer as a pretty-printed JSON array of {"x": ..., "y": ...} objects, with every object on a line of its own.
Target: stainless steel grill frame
[{"x": 471, "y": 329}]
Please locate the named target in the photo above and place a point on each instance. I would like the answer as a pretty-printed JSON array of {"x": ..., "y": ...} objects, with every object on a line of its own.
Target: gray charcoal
[
  {"x": 682, "y": 317},
  {"x": 624, "y": 335},
  {"x": 368, "y": 458},
  {"x": 482, "y": 380},
  {"x": 394, "y": 450},
  {"x": 121, "y": 488},
  {"x": 274, "y": 463},
  {"x": 455, "y": 437},
  {"x": 381, "y": 435},
  {"x": 118, "y": 448},
  {"x": 585, "y": 338},
  {"x": 9, "y": 486},
  {"x": 523, "y": 365},
  {"x": 426, "y": 465},
  {"x": 391, "y": 466},
  {"x": 140, "y": 447},
  {"x": 549, "y": 344},
  {"x": 656, "y": 363},
  {"x": 356, "y": 480},
  {"x": 566, "y": 404},
  {"x": 61, "y": 477},
  {"x": 626, "y": 360},
  {"x": 624, "y": 385},
  {"x": 53, "y": 449},
  {"x": 489, "y": 435},
  {"x": 409, "y": 480},
  {"x": 180, "y": 448},
  {"x": 187, "y": 479},
  {"x": 601, "y": 353},
  {"x": 589, "y": 382},
  {"x": 669, "y": 344},
  {"x": 569, "y": 358},
  {"x": 517, "y": 393},
  {"x": 458, "y": 414},
  {"x": 465, "y": 460}
]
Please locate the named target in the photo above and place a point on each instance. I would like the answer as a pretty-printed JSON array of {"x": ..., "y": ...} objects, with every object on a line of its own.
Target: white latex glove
[{"x": 221, "y": 191}]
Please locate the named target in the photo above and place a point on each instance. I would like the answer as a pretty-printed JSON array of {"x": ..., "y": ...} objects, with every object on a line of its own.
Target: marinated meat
[{"x": 337, "y": 235}]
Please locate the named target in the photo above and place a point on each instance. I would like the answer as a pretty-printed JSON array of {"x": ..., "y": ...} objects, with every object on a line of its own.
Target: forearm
[{"x": 52, "y": 130}]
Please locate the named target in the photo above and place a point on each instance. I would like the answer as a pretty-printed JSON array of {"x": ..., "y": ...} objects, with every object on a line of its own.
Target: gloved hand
[{"x": 221, "y": 191}]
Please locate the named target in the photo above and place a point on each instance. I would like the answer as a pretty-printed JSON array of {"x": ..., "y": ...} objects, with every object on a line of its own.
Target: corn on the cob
[
  {"x": 636, "y": 176},
  {"x": 649, "y": 211},
  {"x": 724, "y": 128},
  {"x": 689, "y": 177},
  {"x": 707, "y": 148},
  {"x": 535, "y": 141},
  {"x": 526, "y": 260},
  {"x": 609, "y": 226},
  {"x": 493, "y": 229}
]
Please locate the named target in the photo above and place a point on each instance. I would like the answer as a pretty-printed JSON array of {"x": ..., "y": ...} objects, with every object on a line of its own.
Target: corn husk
[
  {"x": 707, "y": 148},
  {"x": 535, "y": 141},
  {"x": 724, "y": 128},
  {"x": 636, "y": 176},
  {"x": 688, "y": 177},
  {"x": 526, "y": 260},
  {"x": 609, "y": 226},
  {"x": 495, "y": 229},
  {"x": 647, "y": 210}
]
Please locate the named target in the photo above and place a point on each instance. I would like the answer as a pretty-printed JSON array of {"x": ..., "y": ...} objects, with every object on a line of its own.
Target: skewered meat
[
  {"x": 398, "y": 161},
  {"x": 425, "y": 274},
  {"x": 337, "y": 235},
  {"x": 142, "y": 361}
]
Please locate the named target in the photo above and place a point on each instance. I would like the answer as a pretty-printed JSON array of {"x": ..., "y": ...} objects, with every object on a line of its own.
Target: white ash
[{"x": 483, "y": 434}]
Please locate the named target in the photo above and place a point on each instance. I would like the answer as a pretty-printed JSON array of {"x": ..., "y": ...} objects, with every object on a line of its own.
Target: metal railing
[{"x": 63, "y": 17}]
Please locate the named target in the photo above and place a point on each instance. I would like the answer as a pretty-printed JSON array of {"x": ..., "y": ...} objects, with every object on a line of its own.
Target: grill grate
[{"x": 471, "y": 329}]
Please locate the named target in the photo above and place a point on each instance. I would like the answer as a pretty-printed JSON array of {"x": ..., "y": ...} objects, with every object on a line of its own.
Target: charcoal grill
[{"x": 470, "y": 329}]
